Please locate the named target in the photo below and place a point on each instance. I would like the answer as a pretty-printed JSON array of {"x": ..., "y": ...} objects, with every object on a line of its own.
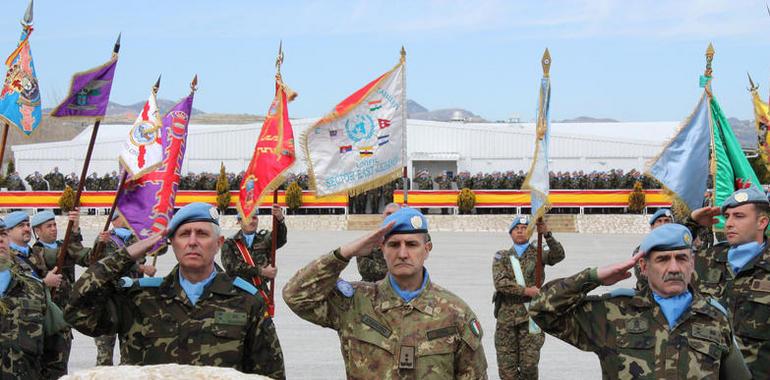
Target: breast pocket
[
  {"x": 704, "y": 358},
  {"x": 160, "y": 336},
  {"x": 435, "y": 358},
  {"x": 368, "y": 352},
  {"x": 636, "y": 356},
  {"x": 752, "y": 316}
]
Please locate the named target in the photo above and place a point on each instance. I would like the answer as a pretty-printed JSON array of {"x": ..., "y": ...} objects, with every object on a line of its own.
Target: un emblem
[
  {"x": 359, "y": 127},
  {"x": 143, "y": 133}
]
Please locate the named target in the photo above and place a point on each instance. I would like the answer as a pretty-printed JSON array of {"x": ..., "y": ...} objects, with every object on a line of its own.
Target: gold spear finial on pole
[
  {"x": 279, "y": 58},
  {"x": 403, "y": 54},
  {"x": 752, "y": 86},
  {"x": 546, "y": 62},
  {"x": 709, "y": 58},
  {"x": 194, "y": 83}
]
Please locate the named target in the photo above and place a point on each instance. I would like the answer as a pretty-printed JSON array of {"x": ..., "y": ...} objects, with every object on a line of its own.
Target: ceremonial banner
[
  {"x": 683, "y": 165},
  {"x": 761, "y": 123},
  {"x": 537, "y": 178},
  {"x": 360, "y": 145},
  {"x": 147, "y": 203},
  {"x": 143, "y": 150},
  {"x": 273, "y": 154},
  {"x": 89, "y": 92},
  {"x": 20, "y": 97}
]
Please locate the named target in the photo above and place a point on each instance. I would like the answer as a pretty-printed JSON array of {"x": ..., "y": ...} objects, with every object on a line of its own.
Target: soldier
[
  {"x": 372, "y": 267},
  {"x": 666, "y": 331},
  {"x": 55, "y": 179},
  {"x": 195, "y": 315},
  {"x": 29, "y": 260},
  {"x": 403, "y": 326},
  {"x": 113, "y": 241},
  {"x": 660, "y": 217},
  {"x": 29, "y": 322},
  {"x": 517, "y": 339},
  {"x": 247, "y": 253},
  {"x": 737, "y": 272}
]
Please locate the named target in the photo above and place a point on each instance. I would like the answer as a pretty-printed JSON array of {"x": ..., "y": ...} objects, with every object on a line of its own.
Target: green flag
[{"x": 733, "y": 170}]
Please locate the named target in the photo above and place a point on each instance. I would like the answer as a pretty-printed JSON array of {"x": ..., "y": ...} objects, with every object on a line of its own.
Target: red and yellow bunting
[{"x": 517, "y": 198}]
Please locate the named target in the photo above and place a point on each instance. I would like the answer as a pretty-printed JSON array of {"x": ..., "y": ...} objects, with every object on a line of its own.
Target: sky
[{"x": 628, "y": 60}]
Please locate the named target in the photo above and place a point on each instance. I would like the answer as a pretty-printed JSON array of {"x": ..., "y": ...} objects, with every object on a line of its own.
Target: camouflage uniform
[
  {"x": 629, "y": 333},
  {"x": 260, "y": 253},
  {"x": 372, "y": 268},
  {"x": 434, "y": 336},
  {"x": 747, "y": 298},
  {"x": 30, "y": 331},
  {"x": 518, "y": 350},
  {"x": 227, "y": 327}
]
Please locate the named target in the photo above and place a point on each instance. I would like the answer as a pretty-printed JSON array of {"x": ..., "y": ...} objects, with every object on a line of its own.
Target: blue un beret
[
  {"x": 14, "y": 218},
  {"x": 659, "y": 213},
  {"x": 744, "y": 196},
  {"x": 408, "y": 221},
  {"x": 41, "y": 218},
  {"x": 194, "y": 212},
  {"x": 668, "y": 237},
  {"x": 518, "y": 219},
  {"x": 2, "y": 224}
]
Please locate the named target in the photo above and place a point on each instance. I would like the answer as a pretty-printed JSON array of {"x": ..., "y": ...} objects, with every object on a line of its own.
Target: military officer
[
  {"x": 668, "y": 330},
  {"x": 737, "y": 272},
  {"x": 372, "y": 267},
  {"x": 195, "y": 315},
  {"x": 517, "y": 339},
  {"x": 402, "y": 327},
  {"x": 660, "y": 217},
  {"x": 29, "y": 260}
]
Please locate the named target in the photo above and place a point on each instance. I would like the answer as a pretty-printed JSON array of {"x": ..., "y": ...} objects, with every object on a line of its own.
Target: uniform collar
[
  {"x": 388, "y": 299},
  {"x": 762, "y": 260},
  {"x": 170, "y": 288}
]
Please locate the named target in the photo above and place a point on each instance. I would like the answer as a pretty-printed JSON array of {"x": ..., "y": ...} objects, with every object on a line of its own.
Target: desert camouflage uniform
[
  {"x": 259, "y": 250},
  {"x": 30, "y": 331},
  {"x": 747, "y": 299},
  {"x": 434, "y": 336},
  {"x": 372, "y": 268},
  {"x": 518, "y": 350},
  {"x": 629, "y": 333},
  {"x": 225, "y": 328}
]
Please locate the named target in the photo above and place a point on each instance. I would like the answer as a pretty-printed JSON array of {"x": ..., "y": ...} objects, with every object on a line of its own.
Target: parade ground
[{"x": 460, "y": 261}]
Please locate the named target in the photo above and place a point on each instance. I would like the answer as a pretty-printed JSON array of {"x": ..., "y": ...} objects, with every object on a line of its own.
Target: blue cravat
[
  {"x": 21, "y": 248},
  {"x": 520, "y": 248},
  {"x": 673, "y": 307},
  {"x": 194, "y": 291},
  {"x": 740, "y": 255},
  {"x": 123, "y": 233},
  {"x": 5, "y": 280},
  {"x": 249, "y": 238},
  {"x": 409, "y": 295},
  {"x": 53, "y": 245}
]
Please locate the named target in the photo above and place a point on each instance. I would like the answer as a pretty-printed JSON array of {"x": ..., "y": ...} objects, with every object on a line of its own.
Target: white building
[{"x": 435, "y": 146}]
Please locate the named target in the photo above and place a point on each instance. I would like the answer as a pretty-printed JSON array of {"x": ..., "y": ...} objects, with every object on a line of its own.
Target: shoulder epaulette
[
  {"x": 717, "y": 305},
  {"x": 150, "y": 282},
  {"x": 244, "y": 285},
  {"x": 345, "y": 288},
  {"x": 622, "y": 292}
]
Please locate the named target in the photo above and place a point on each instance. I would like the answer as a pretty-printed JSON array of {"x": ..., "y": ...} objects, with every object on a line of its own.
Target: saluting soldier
[
  {"x": 737, "y": 272},
  {"x": 403, "y": 326},
  {"x": 372, "y": 267},
  {"x": 517, "y": 339},
  {"x": 667, "y": 330},
  {"x": 660, "y": 217},
  {"x": 195, "y": 315},
  {"x": 247, "y": 253}
]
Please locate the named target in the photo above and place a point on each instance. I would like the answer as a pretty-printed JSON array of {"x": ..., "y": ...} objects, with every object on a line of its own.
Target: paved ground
[{"x": 460, "y": 262}]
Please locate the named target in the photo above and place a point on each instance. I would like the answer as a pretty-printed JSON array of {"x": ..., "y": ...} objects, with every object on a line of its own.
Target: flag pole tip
[
  {"x": 194, "y": 83},
  {"x": 752, "y": 86},
  {"x": 157, "y": 84},
  {"x": 546, "y": 62},
  {"x": 28, "y": 14},
  {"x": 116, "y": 49},
  {"x": 403, "y": 53},
  {"x": 710, "y": 50}
]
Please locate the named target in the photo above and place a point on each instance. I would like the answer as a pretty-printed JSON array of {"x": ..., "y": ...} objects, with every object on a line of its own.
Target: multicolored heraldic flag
[
  {"x": 360, "y": 144},
  {"x": 147, "y": 203},
  {"x": 273, "y": 154},
  {"x": 143, "y": 150},
  {"x": 537, "y": 178},
  {"x": 761, "y": 123},
  {"x": 89, "y": 92},
  {"x": 20, "y": 97}
]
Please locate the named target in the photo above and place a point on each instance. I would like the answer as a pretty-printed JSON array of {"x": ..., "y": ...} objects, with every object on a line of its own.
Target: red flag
[{"x": 273, "y": 154}]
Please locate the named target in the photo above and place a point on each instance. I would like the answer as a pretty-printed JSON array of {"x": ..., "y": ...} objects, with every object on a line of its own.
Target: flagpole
[
  {"x": 404, "y": 176},
  {"x": 2, "y": 148},
  {"x": 546, "y": 63},
  {"x": 96, "y": 252},
  {"x": 273, "y": 247},
  {"x": 708, "y": 73}
]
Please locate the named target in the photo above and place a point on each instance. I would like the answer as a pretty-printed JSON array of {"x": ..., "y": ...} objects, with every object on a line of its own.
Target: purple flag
[
  {"x": 147, "y": 202},
  {"x": 89, "y": 92}
]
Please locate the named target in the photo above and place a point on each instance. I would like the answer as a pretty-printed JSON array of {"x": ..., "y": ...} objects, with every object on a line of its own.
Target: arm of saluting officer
[
  {"x": 555, "y": 252},
  {"x": 503, "y": 276},
  {"x": 264, "y": 355}
]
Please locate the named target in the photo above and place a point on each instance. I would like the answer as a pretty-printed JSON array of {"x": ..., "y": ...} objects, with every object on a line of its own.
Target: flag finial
[
  {"x": 709, "y": 58},
  {"x": 28, "y": 14},
  {"x": 403, "y": 54},
  {"x": 279, "y": 58},
  {"x": 194, "y": 83},
  {"x": 546, "y": 62},
  {"x": 156, "y": 87},
  {"x": 116, "y": 49},
  {"x": 752, "y": 86}
]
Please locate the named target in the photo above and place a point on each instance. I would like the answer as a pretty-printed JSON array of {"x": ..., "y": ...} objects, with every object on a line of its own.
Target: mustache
[{"x": 673, "y": 277}]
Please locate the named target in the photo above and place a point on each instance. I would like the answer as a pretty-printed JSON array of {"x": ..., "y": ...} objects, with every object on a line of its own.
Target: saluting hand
[
  {"x": 364, "y": 245},
  {"x": 139, "y": 249},
  {"x": 706, "y": 216},
  {"x": 611, "y": 274}
]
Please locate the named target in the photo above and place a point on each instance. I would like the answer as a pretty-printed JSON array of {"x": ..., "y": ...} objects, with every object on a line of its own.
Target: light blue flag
[
  {"x": 20, "y": 96},
  {"x": 537, "y": 178},
  {"x": 683, "y": 165}
]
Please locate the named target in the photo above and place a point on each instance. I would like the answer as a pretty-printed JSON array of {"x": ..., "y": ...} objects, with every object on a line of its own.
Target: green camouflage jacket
[
  {"x": 631, "y": 336},
  {"x": 747, "y": 299},
  {"x": 434, "y": 336},
  {"x": 31, "y": 327},
  {"x": 115, "y": 244},
  {"x": 227, "y": 327},
  {"x": 372, "y": 268},
  {"x": 509, "y": 296},
  {"x": 259, "y": 250},
  {"x": 76, "y": 254}
]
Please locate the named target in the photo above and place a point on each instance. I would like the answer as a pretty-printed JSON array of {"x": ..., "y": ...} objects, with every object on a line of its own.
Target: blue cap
[
  {"x": 194, "y": 212},
  {"x": 661, "y": 212},
  {"x": 744, "y": 196},
  {"x": 2, "y": 224},
  {"x": 14, "y": 218},
  {"x": 668, "y": 237},
  {"x": 41, "y": 218},
  {"x": 408, "y": 221},
  {"x": 518, "y": 219}
]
